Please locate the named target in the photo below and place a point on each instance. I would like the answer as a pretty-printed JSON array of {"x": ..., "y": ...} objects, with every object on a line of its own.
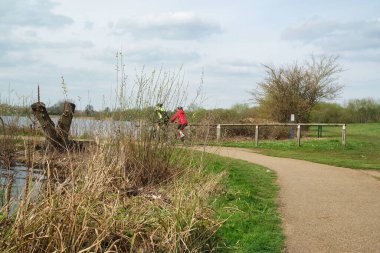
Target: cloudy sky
[{"x": 228, "y": 41}]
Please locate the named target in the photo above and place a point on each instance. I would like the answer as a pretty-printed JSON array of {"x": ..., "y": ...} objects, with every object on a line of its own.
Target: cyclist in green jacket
[{"x": 161, "y": 116}]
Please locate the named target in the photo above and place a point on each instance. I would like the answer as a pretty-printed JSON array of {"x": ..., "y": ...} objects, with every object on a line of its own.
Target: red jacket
[{"x": 181, "y": 117}]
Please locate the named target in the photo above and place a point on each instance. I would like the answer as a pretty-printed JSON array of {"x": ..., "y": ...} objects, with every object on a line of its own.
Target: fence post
[
  {"x": 344, "y": 134},
  {"x": 257, "y": 135},
  {"x": 218, "y": 133},
  {"x": 298, "y": 135},
  {"x": 319, "y": 135}
]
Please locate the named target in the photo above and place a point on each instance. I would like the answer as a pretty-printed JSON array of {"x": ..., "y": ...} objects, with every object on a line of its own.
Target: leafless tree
[{"x": 296, "y": 89}]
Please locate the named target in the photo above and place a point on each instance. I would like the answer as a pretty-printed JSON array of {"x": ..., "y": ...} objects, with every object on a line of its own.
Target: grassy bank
[
  {"x": 222, "y": 205},
  {"x": 118, "y": 196},
  {"x": 247, "y": 203},
  {"x": 361, "y": 152}
]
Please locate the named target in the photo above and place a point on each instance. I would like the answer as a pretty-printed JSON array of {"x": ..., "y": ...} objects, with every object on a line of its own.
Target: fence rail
[{"x": 257, "y": 127}]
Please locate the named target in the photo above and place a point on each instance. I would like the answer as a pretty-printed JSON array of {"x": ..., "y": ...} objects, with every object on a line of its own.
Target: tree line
[{"x": 366, "y": 110}]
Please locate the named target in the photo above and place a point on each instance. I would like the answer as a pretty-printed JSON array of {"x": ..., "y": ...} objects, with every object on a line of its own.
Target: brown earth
[{"x": 323, "y": 208}]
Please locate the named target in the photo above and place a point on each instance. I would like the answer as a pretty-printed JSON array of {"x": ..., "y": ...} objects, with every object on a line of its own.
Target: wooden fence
[{"x": 257, "y": 128}]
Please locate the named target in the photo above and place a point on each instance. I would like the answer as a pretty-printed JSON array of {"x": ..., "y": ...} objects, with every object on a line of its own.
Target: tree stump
[
  {"x": 64, "y": 122},
  {"x": 58, "y": 136}
]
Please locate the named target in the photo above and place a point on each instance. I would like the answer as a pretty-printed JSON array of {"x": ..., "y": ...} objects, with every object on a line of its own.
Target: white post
[
  {"x": 344, "y": 135},
  {"x": 292, "y": 119},
  {"x": 257, "y": 135},
  {"x": 298, "y": 135},
  {"x": 218, "y": 133}
]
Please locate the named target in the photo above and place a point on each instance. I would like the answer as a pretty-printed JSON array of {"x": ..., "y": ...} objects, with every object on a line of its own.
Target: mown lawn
[
  {"x": 247, "y": 203},
  {"x": 361, "y": 152}
]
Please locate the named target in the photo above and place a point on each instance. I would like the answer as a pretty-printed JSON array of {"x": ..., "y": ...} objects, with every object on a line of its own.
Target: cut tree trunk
[
  {"x": 64, "y": 122},
  {"x": 3, "y": 125},
  {"x": 56, "y": 136}
]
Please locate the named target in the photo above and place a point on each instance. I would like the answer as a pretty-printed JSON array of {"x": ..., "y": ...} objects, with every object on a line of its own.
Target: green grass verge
[
  {"x": 247, "y": 202},
  {"x": 361, "y": 152}
]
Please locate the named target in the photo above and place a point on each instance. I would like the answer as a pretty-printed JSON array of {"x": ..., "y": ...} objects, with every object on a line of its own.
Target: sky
[{"x": 217, "y": 43}]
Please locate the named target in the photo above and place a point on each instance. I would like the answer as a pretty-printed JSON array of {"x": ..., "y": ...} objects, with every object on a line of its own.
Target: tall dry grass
[
  {"x": 131, "y": 192},
  {"x": 116, "y": 200}
]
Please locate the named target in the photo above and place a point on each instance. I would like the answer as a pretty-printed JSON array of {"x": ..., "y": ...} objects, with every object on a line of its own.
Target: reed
[{"x": 131, "y": 192}]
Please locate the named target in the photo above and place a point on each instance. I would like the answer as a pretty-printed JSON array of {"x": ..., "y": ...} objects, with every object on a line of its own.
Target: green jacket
[{"x": 161, "y": 115}]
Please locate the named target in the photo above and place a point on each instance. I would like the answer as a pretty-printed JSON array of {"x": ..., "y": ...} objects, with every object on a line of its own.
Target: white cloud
[
  {"x": 161, "y": 55},
  {"x": 14, "y": 59},
  {"x": 234, "y": 68},
  {"x": 44, "y": 39},
  {"x": 18, "y": 53},
  {"x": 10, "y": 45},
  {"x": 334, "y": 36},
  {"x": 153, "y": 55},
  {"x": 170, "y": 26},
  {"x": 27, "y": 26},
  {"x": 36, "y": 13}
]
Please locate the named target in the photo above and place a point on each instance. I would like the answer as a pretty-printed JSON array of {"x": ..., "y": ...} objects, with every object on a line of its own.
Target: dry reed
[{"x": 132, "y": 192}]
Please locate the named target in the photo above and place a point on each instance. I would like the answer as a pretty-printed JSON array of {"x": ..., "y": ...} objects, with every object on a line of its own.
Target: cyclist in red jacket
[{"x": 182, "y": 122}]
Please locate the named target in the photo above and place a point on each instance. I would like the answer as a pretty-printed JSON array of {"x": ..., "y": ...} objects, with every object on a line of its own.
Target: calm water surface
[{"x": 79, "y": 126}]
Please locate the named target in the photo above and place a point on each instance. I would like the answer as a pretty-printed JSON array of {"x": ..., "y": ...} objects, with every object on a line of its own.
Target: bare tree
[{"x": 296, "y": 89}]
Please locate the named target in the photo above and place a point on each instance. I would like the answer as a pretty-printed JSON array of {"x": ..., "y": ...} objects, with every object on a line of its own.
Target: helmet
[
  {"x": 179, "y": 108},
  {"x": 159, "y": 104}
]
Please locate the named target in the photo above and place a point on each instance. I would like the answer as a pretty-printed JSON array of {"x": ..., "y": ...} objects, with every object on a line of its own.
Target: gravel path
[{"x": 324, "y": 208}]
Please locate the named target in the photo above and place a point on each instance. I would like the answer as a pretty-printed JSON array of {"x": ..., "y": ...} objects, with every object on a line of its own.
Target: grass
[
  {"x": 124, "y": 194},
  {"x": 121, "y": 196},
  {"x": 361, "y": 152},
  {"x": 248, "y": 204},
  {"x": 94, "y": 212}
]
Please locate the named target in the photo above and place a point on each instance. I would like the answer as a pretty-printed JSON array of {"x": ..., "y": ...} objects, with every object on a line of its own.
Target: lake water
[
  {"x": 18, "y": 175},
  {"x": 79, "y": 126}
]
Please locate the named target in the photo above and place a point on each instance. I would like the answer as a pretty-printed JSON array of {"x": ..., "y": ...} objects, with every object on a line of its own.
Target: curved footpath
[{"x": 323, "y": 208}]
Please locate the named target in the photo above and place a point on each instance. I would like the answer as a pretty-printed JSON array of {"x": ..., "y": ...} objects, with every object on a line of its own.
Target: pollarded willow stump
[
  {"x": 64, "y": 122},
  {"x": 58, "y": 136}
]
